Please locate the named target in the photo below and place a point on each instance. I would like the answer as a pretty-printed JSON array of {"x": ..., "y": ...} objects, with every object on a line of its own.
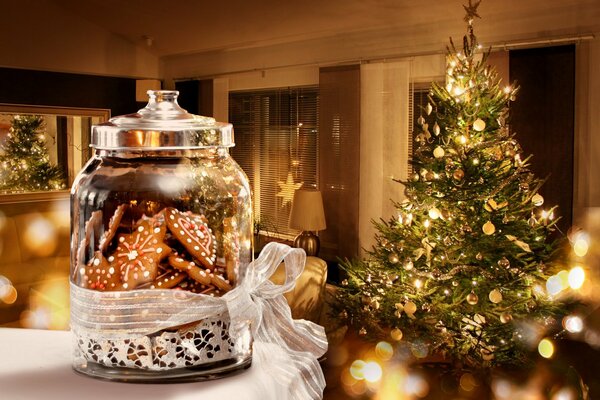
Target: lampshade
[{"x": 307, "y": 211}]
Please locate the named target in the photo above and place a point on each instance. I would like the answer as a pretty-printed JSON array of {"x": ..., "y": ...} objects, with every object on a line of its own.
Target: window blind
[{"x": 276, "y": 136}]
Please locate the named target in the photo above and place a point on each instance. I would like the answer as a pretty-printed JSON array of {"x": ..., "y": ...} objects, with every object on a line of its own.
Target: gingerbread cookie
[
  {"x": 196, "y": 273},
  {"x": 139, "y": 253},
  {"x": 113, "y": 225},
  {"x": 202, "y": 276},
  {"x": 168, "y": 280},
  {"x": 192, "y": 231},
  {"x": 90, "y": 228},
  {"x": 99, "y": 274}
]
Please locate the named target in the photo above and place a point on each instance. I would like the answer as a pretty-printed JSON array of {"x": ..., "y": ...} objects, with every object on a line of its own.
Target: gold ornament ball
[
  {"x": 410, "y": 307},
  {"x": 479, "y": 125},
  {"x": 408, "y": 265},
  {"x": 479, "y": 256},
  {"x": 428, "y": 109},
  {"x": 488, "y": 228},
  {"x": 393, "y": 258},
  {"x": 396, "y": 334},
  {"x": 505, "y": 318},
  {"x": 436, "y": 129},
  {"x": 429, "y": 176},
  {"x": 438, "y": 152},
  {"x": 472, "y": 298},
  {"x": 458, "y": 174},
  {"x": 495, "y": 296},
  {"x": 537, "y": 200},
  {"x": 415, "y": 177}
]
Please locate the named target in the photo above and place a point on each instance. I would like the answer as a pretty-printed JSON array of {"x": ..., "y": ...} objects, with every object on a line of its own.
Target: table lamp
[{"x": 308, "y": 216}]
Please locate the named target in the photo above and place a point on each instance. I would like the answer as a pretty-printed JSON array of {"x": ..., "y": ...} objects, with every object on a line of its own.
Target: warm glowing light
[
  {"x": 476, "y": 161},
  {"x": 576, "y": 277},
  {"x": 426, "y": 223},
  {"x": 418, "y": 283},
  {"x": 554, "y": 285},
  {"x": 416, "y": 385},
  {"x": 356, "y": 369},
  {"x": 546, "y": 348},
  {"x": 36, "y": 319},
  {"x": 372, "y": 371},
  {"x": 462, "y": 139},
  {"x": 507, "y": 89},
  {"x": 564, "y": 394},
  {"x": 581, "y": 246},
  {"x": 8, "y": 293},
  {"x": 564, "y": 278},
  {"x": 40, "y": 236},
  {"x": 467, "y": 382},
  {"x": 434, "y": 213},
  {"x": 573, "y": 323},
  {"x": 544, "y": 214},
  {"x": 384, "y": 351}
]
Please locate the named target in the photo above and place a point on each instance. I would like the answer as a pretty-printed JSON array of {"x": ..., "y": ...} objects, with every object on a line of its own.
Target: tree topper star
[
  {"x": 471, "y": 10},
  {"x": 287, "y": 189}
]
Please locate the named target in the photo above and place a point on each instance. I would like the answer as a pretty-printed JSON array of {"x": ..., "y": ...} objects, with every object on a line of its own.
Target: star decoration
[
  {"x": 287, "y": 189},
  {"x": 471, "y": 10}
]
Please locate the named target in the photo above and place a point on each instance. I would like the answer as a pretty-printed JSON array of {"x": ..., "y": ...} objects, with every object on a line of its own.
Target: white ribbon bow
[{"x": 255, "y": 301}]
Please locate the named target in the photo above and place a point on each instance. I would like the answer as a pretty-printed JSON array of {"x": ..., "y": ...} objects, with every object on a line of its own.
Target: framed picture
[{"x": 42, "y": 149}]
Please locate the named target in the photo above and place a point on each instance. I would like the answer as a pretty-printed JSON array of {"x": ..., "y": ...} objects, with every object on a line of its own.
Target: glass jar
[{"x": 161, "y": 219}]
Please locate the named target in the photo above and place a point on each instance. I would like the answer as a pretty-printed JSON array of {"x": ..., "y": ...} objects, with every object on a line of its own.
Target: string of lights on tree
[
  {"x": 472, "y": 263},
  {"x": 24, "y": 161}
]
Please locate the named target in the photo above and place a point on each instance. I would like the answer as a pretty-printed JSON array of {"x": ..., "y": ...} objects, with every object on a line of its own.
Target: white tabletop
[{"x": 36, "y": 364}]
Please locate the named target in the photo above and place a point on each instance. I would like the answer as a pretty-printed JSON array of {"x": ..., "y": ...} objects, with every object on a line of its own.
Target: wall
[{"x": 52, "y": 39}]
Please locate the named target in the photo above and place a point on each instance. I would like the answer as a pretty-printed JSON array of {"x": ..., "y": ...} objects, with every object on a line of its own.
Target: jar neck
[{"x": 207, "y": 152}]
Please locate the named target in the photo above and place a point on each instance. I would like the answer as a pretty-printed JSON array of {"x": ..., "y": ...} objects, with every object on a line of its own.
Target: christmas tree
[
  {"x": 461, "y": 271},
  {"x": 24, "y": 160}
]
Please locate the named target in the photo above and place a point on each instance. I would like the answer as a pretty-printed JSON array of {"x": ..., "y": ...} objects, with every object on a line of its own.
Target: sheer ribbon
[{"x": 256, "y": 302}]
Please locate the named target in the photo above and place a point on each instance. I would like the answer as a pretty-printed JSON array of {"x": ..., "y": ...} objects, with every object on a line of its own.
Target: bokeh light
[
  {"x": 416, "y": 385},
  {"x": 581, "y": 244},
  {"x": 40, "y": 236},
  {"x": 372, "y": 371},
  {"x": 546, "y": 348},
  {"x": 467, "y": 382},
  {"x": 554, "y": 285},
  {"x": 576, "y": 277},
  {"x": 384, "y": 351},
  {"x": 356, "y": 369},
  {"x": 565, "y": 393},
  {"x": 48, "y": 305},
  {"x": 8, "y": 293},
  {"x": 573, "y": 323}
]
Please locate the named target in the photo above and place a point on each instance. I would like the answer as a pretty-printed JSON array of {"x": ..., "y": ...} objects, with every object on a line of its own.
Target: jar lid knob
[{"x": 162, "y": 104}]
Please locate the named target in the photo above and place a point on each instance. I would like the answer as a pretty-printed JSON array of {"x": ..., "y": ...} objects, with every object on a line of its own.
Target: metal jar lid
[{"x": 161, "y": 125}]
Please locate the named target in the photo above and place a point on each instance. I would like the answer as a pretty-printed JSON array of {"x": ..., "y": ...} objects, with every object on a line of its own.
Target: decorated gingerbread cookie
[
  {"x": 203, "y": 276},
  {"x": 192, "y": 231},
  {"x": 99, "y": 274},
  {"x": 138, "y": 254},
  {"x": 168, "y": 280},
  {"x": 113, "y": 225}
]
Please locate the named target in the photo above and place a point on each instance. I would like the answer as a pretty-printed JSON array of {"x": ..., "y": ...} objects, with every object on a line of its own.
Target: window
[{"x": 276, "y": 135}]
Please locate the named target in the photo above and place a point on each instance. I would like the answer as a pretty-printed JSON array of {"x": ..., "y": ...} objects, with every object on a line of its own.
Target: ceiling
[{"x": 188, "y": 26}]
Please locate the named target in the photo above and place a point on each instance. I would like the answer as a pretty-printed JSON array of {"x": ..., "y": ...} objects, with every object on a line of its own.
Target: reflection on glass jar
[{"x": 160, "y": 215}]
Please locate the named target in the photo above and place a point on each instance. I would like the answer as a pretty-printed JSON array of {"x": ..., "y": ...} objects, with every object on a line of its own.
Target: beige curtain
[{"x": 384, "y": 142}]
